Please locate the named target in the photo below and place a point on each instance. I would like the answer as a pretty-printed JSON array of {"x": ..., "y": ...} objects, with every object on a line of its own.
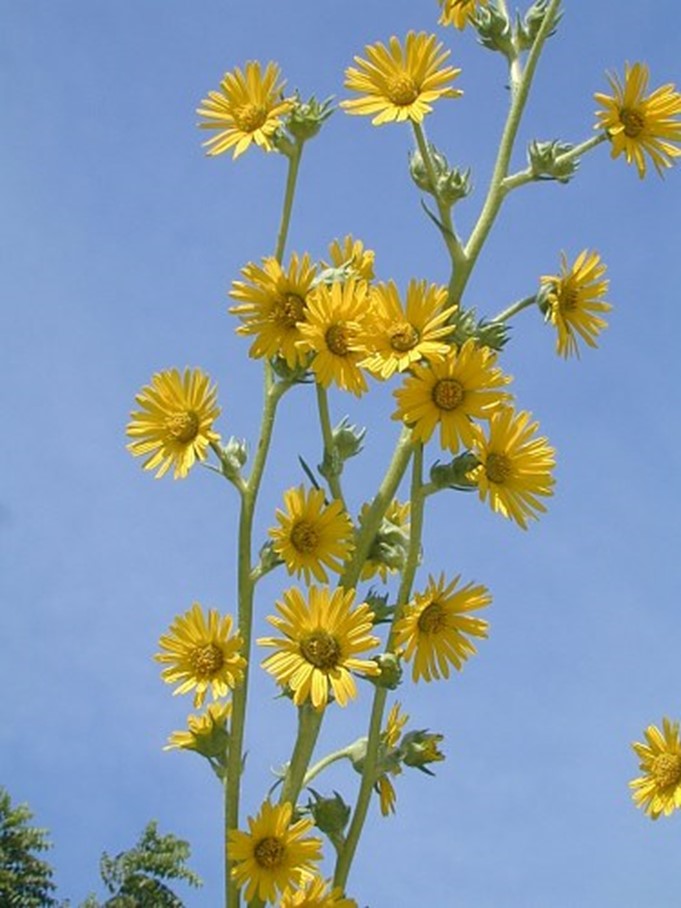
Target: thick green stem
[
  {"x": 309, "y": 724},
  {"x": 347, "y": 853},
  {"x": 294, "y": 164},
  {"x": 379, "y": 506},
  {"x": 528, "y": 176},
  {"x": 246, "y": 584},
  {"x": 496, "y": 191}
]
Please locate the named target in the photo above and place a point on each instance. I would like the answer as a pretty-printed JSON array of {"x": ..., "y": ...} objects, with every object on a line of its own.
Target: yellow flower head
[
  {"x": 206, "y": 733},
  {"x": 459, "y": 12},
  {"x": 350, "y": 253},
  {"x": 658, "y": 790},
  {"x": 274, "y": 305},
  {"x": 515, "y": 468},
  {"x": 202, "y": 654},
  {"x": 401, "y": 336},
  {"x": 575, "y": 297},
  {"x": 322, "y": 638},
  {"x": 436, "y": 628},
  {"x": 640, "y": 125},
  {"x": 247, "y": 108},
  {"x": 400, "y": 82},
  {"x": 316, "y": 894},
  {"x": 334, "y": 331},
  {"x": 273, "y": 855},
  {"x": 312, "y": 535},
  {"x": 175, "y": 425},
  {"x": 450, "y": 393},
  {"x": 389, "y": 546}
]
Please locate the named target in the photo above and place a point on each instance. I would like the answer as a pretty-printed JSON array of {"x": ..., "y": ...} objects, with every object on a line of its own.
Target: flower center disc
[
  {"x": 498, "y": 468},
  {"x": 206, "y": 661},
  {"x": 269, "y": 852},
  {"x": 634, "y": 122},
  {"x": 304, "y": 537},
  {"x": 402, "y": 90},
  {"x": 448, "y": 393},
  {"x": 431, "y": 619},
  {"x": 337, "y": 339},
  {"x": 183, "y": 427},
  {"x": 289, "y": 310},
  {"x": 320, "y": 649},
  {"x": 250, "y": 117},
  {"x": 667, "y": 769},
  {"x": 567, "y": 300},
  {"x": 404, "y": 337}
]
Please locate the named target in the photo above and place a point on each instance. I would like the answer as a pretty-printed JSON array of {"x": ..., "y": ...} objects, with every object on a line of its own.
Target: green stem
[
  {"x": 309, "y": 724},
  {"x": 320, "y": 765},
  {"x": 347, "y": 853},
  {"x": 291, "y": 179},
  {"x": 273, "y": 393},
  {"x": 327, "y": 435},
  {"x": 496, "y": 191},
  {"x": 508, "y": 313},
  {"x": 454, "y": 247},
  {"x": 380, "y": 504},
  {"x": 528, "y": 176}
]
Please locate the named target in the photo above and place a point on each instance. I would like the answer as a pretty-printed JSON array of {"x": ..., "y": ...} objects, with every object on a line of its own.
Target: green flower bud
[
  {"x": 346, "y": 442},
  {"x": 268, "y": 559},
  {"x": 330, "y": 815},
  {"x": 487, "y": 334},
  {"x": 292, "y": 374},
  {"x": 454, "y": 475},
  {"x": 451, "y": 184},
  {"x": 233, "y": 456},
  {"x": 526, "y": 29},
  {"x": 494, "y": 30},
  {"x": 391, "y": 671},
  {"x": 545, "y": 163},
  {"x": 418, "y": 748},
  {"x": 379, "y": 606},
  {"x": 307, "y": 117}
]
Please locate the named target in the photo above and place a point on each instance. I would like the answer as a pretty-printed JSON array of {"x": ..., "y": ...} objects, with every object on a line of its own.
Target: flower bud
[
  {"x": 451, "y": 184},
  {"x": 526, "y": 29},
  {"x": 487, "y": 334},
  {"x": 391, "y": 671},
  {"x": 454, "y": 475},
  {"x": 330, "y": 815},
  {"x": 420, "y": 748},
  {"x": 307, "y": 117},
  {"x": 545, "y": 163},
  {"x": 233, "y": 456},
  {"x": 346, "y": 442},
  {"x": 494, "y": 30}
]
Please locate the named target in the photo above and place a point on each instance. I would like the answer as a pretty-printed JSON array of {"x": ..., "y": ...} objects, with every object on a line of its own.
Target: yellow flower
[
  {"x": 389, "y": 546},
  {"x": 334, "y": 331},
  {"x": 273, "y": 854},
  {"x": 640, "y": 125},
  {"x": 202, "y": 654},
  {"x": 514, "y": 467},
  {"x": 574, "y": 298},
  {"x": 323, "y": 637},
  {"x": 247, "y": 108},
  {"x": 436, "y": 628},
  {"x": 451, "y": 392},
  {"x": 206, "y": 733},
  {"x": 658, "y": 790},
  {"x": 459, "y": 12},
  {"x": 399, "y": 82},
  {"x": 316, "y": 895},
  {"x": 274, "y": 306},
  {"x": 175, "y": 425},
  {"x": 350, "y": 253},
  {"x": 312, "y": 534},
  {"x": 400, "y": 336}
]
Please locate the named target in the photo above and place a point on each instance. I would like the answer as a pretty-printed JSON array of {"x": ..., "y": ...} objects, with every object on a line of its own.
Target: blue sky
[{"x": 119, "y": 242}]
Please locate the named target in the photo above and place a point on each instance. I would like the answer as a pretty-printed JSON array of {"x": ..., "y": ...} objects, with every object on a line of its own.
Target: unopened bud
[
  {"x": 545, "y": 161},
  {"x": 420, "y": 748}
]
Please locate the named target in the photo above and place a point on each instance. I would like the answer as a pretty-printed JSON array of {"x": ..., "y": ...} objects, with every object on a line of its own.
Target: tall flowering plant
[{"x": 355, "y": 617}]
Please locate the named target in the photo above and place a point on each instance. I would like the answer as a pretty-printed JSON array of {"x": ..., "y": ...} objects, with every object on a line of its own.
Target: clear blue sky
[{"x": 119, "y": 242}]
